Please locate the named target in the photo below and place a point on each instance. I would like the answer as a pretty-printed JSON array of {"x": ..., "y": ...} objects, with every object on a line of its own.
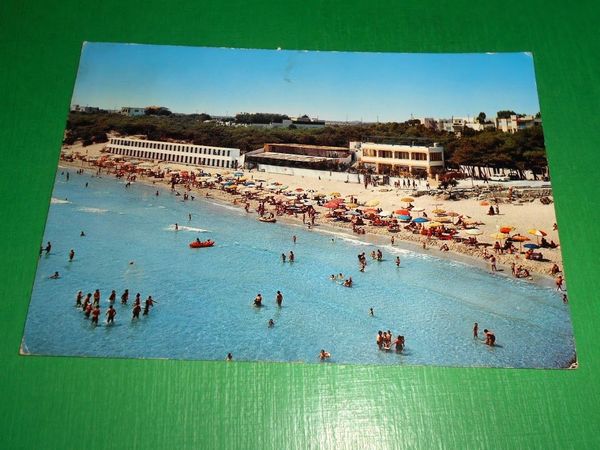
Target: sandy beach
[{"x": 523, "y": 215}]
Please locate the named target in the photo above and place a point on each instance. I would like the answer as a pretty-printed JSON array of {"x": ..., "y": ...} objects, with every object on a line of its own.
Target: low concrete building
[
  {"x": 300, "y": 155},
  {"x": 158, "y": 151},
  {"x": 133, "y": 111},
  {"x": 396, "y": 159},
  {"x": 515, "y": 123}
]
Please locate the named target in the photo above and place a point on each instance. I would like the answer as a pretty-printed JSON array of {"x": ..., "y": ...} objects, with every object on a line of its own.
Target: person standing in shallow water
[
  {"x": 136, "y": 311},
  {"x": 71, "y": 255},
  {"x": 110, "y": 315},
  {"x": 476, "y": 330},
  {"x": 279, "y": 298},
  {"x": 125, "y": 297}
]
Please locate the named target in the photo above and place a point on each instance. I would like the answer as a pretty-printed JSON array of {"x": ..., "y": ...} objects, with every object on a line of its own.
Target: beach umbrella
[
  {"x": 531, "y": 246},
  {"x": 506, "y": 229},
  {"x": 474, "y": 232},
  {"x": 499, "y": 235},
  {"x": 351, "y": 205},
  {"x": 353, "y": 213},
  {"x": 519, "y": 238},
  {"x": 407, "y": 199},
  {"x": 331, "y": 205},
  {"x": 335, "y": 194},
  {"x": 452, "y": 214},
  {"x": 238, "y": 174},
  {"x": 435, "y": 224},
  {"x": 370, "y": 211},
  {"x": 373, "y": 202},
  {"x": 438, "y": 211},
  {"x": 484, "y": 203},
  {"x": 404, "y": 217},
  {"x": 536, "y": 232},
  {"x": 402, "y": 212},
  {"x": 444, "y": 219},
  {"x": 418, "y": 209},
  {"x": 421, "y": 220},
  {"x": 384, "y": 213}
]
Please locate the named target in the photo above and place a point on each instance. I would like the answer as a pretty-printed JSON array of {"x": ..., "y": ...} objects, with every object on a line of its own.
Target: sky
[{"x": 344, "y": 86}]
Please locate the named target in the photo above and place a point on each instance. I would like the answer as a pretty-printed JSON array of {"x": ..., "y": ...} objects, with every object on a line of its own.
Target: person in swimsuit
[
  {"x": 78, "y": 299},
  {"x": 71, "y": 255},
  {"x": 136, "y": 311},
  {"x": 371, "y": 312},
  {"x": 258, "y": 300},
  {"x": 125, "y": 297},
  {"x": 110, "y": 314},
  {"x": 476, "y": 330},
  {"x": 283, "y": 257},
  {"x": 279, "y": 298},
  {"x": 149, "y": 303},
  {"x": 397, "y": 261},
  {"x": 56, "y": 276},
  {"x": 229, "y": 357},
  {"x": 324, "y": 355},
  {"x": 95, "y": 315},
  {"x": 96, "y": 297},
  {"x": 291, "y": 257},
  {"x": 379, "y": 339},
  {"x": 399, "y": 343},
  {"x": 271, "y": 323},
  {"x": 112, "y": 297},
  {"x": 490, "y": 337}
]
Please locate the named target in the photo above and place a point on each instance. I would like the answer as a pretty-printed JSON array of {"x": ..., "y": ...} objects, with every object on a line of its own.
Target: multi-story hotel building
[
  {"x": 197, "y": 155},
  {"x": 394, "y": 159}
]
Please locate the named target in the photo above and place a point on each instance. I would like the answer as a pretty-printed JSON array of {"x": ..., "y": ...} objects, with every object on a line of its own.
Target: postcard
[{"x": 303, "y": 207}]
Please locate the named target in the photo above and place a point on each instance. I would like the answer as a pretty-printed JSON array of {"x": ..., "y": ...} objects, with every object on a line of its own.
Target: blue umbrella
[
  {"x": 404, "y": 217},
  {"x": 421, "y": 220},
  {"x": 238, "y": 174},
  {"x": 532, "y": 246}
]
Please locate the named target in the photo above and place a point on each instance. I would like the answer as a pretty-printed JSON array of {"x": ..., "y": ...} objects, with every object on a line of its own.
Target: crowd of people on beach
[{"x": 90, "y": 305}]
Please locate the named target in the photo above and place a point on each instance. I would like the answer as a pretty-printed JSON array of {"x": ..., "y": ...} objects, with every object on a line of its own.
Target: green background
[{"x": 102, "y": 403}]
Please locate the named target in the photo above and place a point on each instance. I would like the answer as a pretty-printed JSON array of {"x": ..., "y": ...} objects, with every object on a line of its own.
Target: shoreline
[{"x": 373, "y": 235}]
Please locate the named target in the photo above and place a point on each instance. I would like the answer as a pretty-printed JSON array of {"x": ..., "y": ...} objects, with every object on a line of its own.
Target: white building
[
  {"x": 196, "y": 155},
  {"x": 515, "y": 123},
  {"x": 394, "y": 159},
  {"x": 133, "y": 111}
]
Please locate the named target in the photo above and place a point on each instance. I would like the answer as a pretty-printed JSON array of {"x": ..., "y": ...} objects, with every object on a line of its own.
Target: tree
[
  {"x": 481, "y": 118},
  {"x": 505, "y": 114}
]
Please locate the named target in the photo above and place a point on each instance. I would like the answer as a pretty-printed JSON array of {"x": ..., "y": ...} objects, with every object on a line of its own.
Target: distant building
[
  {"x": 84, "y": 109},
  {"x": 197, "y": 155},
  {"x": 515, "y": 123},
  {"x": 395, "y": 159},
  {"x": 300, "y": 155},
  {"x": 133, "y": 111}
]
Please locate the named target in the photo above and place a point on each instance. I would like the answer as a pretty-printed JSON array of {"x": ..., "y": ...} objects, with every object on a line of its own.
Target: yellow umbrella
[
  {"x": 438, "y": 211},
  {"x": 351, "y": 205},
  {"x": 373, "y": 202},
  {"x": 434, "y": 224},
  {"x": 499, "y": 235},
  {"x": 407, "y": 199},
  {"x": 536, "y": 232},
  {"x": 335, "y": 194},
  {"x": 444, "y": 219}
]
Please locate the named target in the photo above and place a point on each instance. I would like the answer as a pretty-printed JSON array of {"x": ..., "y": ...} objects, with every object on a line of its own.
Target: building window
[
  {"x": 385, "y": 154},
  {"x": 437, "y": 156},
  {"x": 419, "y": 156},
  {"x": 401, "y": 155}
]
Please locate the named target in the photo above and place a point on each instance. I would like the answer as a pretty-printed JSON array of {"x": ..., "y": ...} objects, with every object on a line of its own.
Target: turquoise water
[{"x": 205, "y": 296}]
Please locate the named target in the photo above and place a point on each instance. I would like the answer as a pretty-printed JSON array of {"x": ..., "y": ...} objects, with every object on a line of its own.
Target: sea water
[{"x": 205, "y": 296}]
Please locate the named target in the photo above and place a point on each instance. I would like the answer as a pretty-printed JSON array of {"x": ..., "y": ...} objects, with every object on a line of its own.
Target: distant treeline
[{"x": 520, "y": 151}]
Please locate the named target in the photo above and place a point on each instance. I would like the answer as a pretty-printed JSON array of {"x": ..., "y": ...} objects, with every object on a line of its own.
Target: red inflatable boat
[{"x": 200, "y": 244}]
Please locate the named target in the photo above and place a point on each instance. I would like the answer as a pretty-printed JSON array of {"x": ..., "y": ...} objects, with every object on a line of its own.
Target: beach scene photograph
[{"x": 283, "y": 206}]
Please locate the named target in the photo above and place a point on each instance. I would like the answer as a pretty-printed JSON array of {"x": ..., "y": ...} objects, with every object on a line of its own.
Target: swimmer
[
  {"x": 137, "y": 300},
  {"x": 78, "y": 299},
  {"x": 340, "y": 276},
  {"x": 136, "y": 311},
  {"x": 112, "y": 297},
  {"x": 332, "y": 277},
  {"x": 157, "y": 193},
  {"x": 258, "y": 300},
  {"x": 271, "y": 323},
  {"x": 565, "y": 299},
  {"x": 176, "y": 227},
  {"x": 95, "y": 315},
  {"x": 56, "y": 276},
  {"x": 96, "y": 297},
  {"x": 279, "y": 298},
  {"x": 371, "y": 312},
  {"x": 397, "y": 261},
  {"x": 48, "y": 248},
  {"x": 87, "y": 310},
  {"x": 229, "y": 357},
  {"x": 291, "y": 257},
  {"x": 490, "y": 338},
  {"x": 379, "y": 339},
  {"x": 399, "y": 343},
  {"x": 324, "y": 355},
  {"x": 294, "y": 238},
  {"x": 149, "y": 303},
  {"x": 559, "y": 283},
  {"x": 283, "y": 257},
  {"x": 71, "y": 255},
  {"x": 110, "y": 314},
  {"x": 476, "y": 330},
  {"x": 125, "y": 297},
  {"x": 392, "y": 240},
  {"x": 131, "y": 263},
  {"x": 82, "y": 234}
]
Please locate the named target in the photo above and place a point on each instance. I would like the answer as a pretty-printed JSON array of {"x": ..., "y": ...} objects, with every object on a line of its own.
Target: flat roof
[
  {"x": 319, "y": 147},
  {"x": 289, "y": 157}
]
